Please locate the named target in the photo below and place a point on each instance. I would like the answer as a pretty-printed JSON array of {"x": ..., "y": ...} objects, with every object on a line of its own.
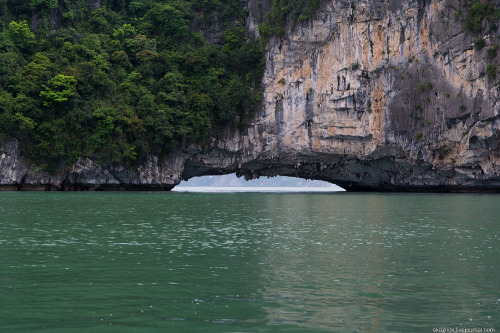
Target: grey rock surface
[{"x": 388, "y": 96}]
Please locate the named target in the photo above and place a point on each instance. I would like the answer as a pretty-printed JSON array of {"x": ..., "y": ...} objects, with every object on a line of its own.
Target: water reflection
[
  {"x": 311, "y": 262},
  {"x": 372, "y": 264},
  {"x": 247, "y": 262}
]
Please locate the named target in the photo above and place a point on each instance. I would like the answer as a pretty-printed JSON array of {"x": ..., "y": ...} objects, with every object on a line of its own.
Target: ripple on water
[{"x": 311, "y": 262}]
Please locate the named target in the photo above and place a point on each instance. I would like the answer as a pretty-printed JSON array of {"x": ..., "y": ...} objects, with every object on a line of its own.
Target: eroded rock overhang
[{"x": 388, "y": 96}]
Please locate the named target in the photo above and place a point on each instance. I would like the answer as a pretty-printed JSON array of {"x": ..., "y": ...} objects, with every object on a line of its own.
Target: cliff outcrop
[{"x": 369, "y": 95}]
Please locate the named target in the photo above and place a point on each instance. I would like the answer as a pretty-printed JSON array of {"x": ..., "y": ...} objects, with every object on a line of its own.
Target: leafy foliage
[
  {"x": 43, "y": 5},
  {"x": 21, "y": 35},
  {"x": 125, "y": 80},
  {"x": 274, "y": 23},
  {"x": 491, "y": 70},
  {"x": 479, "y": 44},
  {"x": 479, "y": 11}
]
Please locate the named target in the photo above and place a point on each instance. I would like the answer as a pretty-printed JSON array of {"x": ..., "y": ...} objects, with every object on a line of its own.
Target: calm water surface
[{"x": 248, "y": 262}]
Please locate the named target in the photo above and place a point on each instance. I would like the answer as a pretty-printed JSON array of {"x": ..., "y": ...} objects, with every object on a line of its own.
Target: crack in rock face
[{"x": 380, "y": 96}]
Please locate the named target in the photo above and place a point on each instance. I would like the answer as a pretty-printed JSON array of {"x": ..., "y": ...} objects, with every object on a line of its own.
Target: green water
[{"x": 248, "y": 262}]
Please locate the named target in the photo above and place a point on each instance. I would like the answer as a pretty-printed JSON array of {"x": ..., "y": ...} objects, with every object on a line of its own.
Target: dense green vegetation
[
  {"x": 274, "y": 22},
  {"x": 124, "y": 80},
  {"x": 479, "y": 11}
]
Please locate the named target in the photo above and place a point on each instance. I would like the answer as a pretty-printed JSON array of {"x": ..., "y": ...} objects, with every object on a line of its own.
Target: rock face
[{"x": 369, "y": 95}]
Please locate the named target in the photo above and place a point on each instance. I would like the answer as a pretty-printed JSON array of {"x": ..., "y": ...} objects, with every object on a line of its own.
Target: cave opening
[{"x": 232, "y": 183}]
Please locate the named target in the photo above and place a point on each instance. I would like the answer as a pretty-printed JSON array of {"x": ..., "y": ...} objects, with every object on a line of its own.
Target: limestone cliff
[{"x": 369, "y": 95}]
